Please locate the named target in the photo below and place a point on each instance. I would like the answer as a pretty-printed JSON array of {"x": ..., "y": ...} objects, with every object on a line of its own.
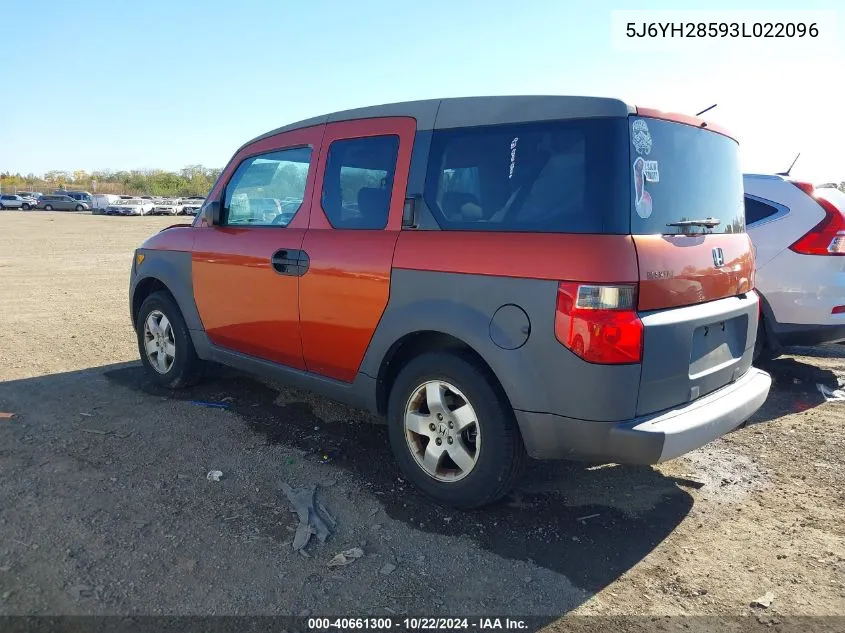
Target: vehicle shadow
[
  {"x": 794, "y": 387},
  {"x": 590, "y": 523}
]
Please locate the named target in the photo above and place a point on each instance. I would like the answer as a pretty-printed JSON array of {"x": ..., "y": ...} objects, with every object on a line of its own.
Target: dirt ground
[{"x": 105, "y": 507}]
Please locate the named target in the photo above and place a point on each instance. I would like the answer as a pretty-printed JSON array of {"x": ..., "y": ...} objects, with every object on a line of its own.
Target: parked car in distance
[
  {"x": 462, "y": 268},
  {"x": 133, "y": 206},
  {"x": 30, "y": 194},
  {"x": 102, "y": 201},
  {"x": 13, "y": 201},
  {"x": 191, "y": 205},
  {"x": 798, "y": 232},
  {"x": 54, "y": 202},
  {"x": 168, "y": 206},
  {"x": 81, "y": 196}
]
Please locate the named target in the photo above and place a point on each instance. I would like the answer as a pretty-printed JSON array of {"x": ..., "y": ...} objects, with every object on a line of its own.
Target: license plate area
[{"x": 717, "y": 344}]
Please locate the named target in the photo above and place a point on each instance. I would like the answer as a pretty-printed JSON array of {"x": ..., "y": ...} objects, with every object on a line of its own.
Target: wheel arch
[
  {"x": 144, "y": 288},
  {"x": 168, "y": 271},
  {"x": 412, "y": 345}
]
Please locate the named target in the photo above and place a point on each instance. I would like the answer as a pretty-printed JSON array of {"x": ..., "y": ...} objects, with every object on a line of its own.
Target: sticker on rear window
[
  {"x": 641, "y": 137},
  {"x": 513, "y": 156},
  {"x": 642, "y": 199},
  {"x": 650, "y": 171}
]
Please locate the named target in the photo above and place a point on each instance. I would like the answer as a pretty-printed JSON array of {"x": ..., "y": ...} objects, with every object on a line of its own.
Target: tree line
[{"x": 192, "y": 180}]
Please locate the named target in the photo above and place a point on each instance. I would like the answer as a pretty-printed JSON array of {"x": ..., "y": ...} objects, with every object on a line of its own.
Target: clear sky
[{"x": 94, "y": 84}]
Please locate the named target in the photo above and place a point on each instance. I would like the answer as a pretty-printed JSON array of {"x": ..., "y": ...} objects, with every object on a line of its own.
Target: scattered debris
[
  {"x": 5, "y": 415},
  {"x": 210, "y": 405},
  {"x": 87, "y": 415},
  {"x": 96, "y": 431},
  {"x": 227, "y": 399},
  {"x": 310, "y": 522},
  {"x": 831, "y": 395},
  {"x": 330, "y": 520},
  {"x": 764, "y": 601},
  {"x": 214, "y": 475},
  {"x": 346, "y": 557},
  {"x": 387, "y": 569},
  {"x": 589, "y": 516}
]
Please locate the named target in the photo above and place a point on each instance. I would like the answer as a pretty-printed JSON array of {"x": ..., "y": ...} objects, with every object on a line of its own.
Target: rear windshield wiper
[{"x": 706, "y": 222}]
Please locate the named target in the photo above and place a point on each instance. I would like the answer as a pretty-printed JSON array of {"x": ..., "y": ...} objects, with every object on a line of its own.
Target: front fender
[{"x": 174, "y": 270}]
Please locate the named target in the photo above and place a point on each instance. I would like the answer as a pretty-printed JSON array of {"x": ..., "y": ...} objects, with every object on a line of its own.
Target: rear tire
[
  {"x": 79, "y": 207},
  {"x": 48, "y": 207},
  {"x": 26, "y": 207},
  {"x": 762, "y": 349},
  {"x": 161, "y": 329},
  {"x": 492, "y": 459}
]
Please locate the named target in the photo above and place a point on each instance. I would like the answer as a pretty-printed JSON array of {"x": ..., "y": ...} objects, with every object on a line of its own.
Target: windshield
[
  {"x": 682, "y": 174},
  {"x": 133, "y": 202}
]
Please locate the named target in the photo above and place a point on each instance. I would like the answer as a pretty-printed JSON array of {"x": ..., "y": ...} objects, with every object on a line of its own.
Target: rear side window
[
  {"x": 681, "y": 173},
  {"x": 560, "y": 176},
  {"x": 755, "y": 210},
  {"x": 358, "y": 182},
  {"x": 267, "y": 190}
]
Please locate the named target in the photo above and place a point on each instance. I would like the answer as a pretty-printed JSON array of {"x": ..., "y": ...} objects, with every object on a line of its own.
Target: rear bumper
[{"x": 647, "y": 439}]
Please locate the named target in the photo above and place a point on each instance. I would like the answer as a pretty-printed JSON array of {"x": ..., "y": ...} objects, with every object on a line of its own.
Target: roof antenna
[
  {"x": 786, "y": 173},
  {"x": 706, "y": 109}
]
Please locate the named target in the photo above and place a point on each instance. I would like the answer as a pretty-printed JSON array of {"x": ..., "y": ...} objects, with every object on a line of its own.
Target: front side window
[
  {"x": 358, "y": 182},
  {"x": 267, "y": 190}
]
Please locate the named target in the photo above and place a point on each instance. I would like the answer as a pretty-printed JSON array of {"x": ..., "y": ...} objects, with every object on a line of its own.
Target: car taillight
[
  {"x": 828, "y": 236},
  {"x": 599, "y": 323}
]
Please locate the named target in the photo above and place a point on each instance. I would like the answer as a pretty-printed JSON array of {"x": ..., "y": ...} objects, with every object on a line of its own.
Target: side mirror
[{"x": 212, "y": 212}]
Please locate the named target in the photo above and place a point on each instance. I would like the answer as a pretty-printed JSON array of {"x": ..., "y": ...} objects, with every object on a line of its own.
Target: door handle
[{"x": 294, "y": 263}]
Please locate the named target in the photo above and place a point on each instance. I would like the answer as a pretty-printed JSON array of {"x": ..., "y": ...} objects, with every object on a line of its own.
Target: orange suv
[{"x": 557, "y": 277}]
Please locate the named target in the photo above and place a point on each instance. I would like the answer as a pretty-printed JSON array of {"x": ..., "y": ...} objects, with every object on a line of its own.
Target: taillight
[
  {"x": 828, "y": 236},
  {"x": 599, "y": 323}
]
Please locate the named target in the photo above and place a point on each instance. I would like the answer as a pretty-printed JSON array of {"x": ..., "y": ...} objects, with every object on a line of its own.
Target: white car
[
  {"x": 168, "y": 206},
  {"x": 192, "y": 205},
  {"x": 132, "y": 206},
  {"x": 798, "y": 232},
  {"x": 12, "y": 201}
]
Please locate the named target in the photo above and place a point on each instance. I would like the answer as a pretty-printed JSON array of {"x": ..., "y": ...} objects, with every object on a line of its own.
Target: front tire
[
  {"x": 26, "y": 207},
  {"x": 452, "y": 431},
  {"x": 48, "y": 207},
  {"x": 164, "y": 343},
  {"x": 79, "y": 207}
]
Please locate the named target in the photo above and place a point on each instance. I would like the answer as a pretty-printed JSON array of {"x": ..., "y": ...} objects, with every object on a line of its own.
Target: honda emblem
[{"x": 718, "y": 257}]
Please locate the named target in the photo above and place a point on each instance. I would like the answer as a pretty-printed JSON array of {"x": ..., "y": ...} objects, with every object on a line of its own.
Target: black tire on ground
[
  {"x": 186, "y": 367},
  {"x": 762, "y": 350},
  {"x": 502, "y": 453},
  {"x": 79, "y": 207},
  {"x": 26, "y": 207},
  {"x": 48, "y": 207}
]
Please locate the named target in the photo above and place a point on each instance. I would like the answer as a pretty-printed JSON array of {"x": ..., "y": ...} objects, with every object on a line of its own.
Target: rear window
[
  {"x": 562, "y": 176},
  {"x": 682, "y": 173}
]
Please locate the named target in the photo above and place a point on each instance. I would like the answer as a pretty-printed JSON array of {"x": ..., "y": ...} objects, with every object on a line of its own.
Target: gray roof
[{"x": 471, "y": 111}]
